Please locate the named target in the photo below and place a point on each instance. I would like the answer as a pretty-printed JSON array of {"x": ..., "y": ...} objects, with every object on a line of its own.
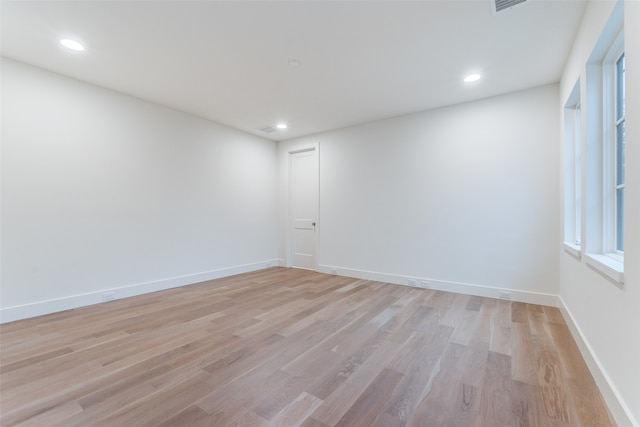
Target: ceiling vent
[
  {"x": 267, "y": 129},
  {"x": 500, "y": 5}
]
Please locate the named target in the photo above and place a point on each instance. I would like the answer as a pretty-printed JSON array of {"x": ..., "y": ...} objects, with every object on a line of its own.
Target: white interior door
[{"x": 303, "y": 183}]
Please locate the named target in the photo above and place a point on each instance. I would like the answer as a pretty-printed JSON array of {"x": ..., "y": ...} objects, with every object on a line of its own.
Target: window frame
[
  {"x": 598, "y": 238},
  {"x": 573, "y": 173},
  {"x": 610, "y": 152}
]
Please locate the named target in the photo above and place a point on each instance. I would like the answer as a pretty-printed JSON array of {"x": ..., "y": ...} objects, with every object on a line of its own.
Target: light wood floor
[{"x": 286, "y": 347}]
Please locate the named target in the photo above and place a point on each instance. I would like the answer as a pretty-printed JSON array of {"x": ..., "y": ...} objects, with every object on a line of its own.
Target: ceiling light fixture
[
  {"x": 72, "y": 44},
  {"x": 472, "y": 78},
  {"x": 294, "y": 63},
  {"x": 281, "y": 126}
]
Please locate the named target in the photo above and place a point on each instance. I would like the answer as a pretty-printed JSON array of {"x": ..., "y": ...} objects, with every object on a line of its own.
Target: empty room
[{"x": 320, "y": 213}]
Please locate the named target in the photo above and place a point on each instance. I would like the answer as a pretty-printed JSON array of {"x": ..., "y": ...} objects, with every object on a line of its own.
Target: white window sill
[
  {"x": 607, "y": 265},
  {"x": 572, "y": 249}
]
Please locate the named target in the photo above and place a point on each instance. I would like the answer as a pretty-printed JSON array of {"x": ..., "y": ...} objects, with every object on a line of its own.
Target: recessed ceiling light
[
  {"x": 281, "y": 126},
  {"x": 72, "y": 44},
  {"x": 472, "y": 78}
]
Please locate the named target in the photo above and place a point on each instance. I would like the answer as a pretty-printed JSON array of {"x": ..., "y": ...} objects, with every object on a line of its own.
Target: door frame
[{"x": 289, "y": 236}]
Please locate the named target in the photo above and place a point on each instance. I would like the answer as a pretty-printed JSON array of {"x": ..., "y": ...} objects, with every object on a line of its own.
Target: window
[
  {"x": 602, "y": 241},
  {"x": 614, "y": 151},
  {"x": 619, "y": 154},
  {"x": 573, "y": 168}
]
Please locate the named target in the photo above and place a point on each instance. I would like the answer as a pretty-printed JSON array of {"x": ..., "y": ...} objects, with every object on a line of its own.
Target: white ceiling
[{"x": 360, "y": 60}]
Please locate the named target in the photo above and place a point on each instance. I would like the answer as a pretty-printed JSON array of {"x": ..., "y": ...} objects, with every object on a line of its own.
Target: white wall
[
  {"x": 606, "y": 317},
  {"x": 103, "y": 191},
  {"x": 462, "y": 196}
]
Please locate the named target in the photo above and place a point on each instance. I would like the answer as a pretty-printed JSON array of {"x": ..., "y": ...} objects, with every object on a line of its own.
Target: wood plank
[
  {"x": 277, "y": 400},
  {"x": 552, "y": 385},
  {"x": 188, "y": 417},
  {"x": 419, "y": 361},
  {"x": 483, "y": 328},
  {"x": 466, "y": 327},
  {"x": 495, "y": 396},
  {"x": 501, "y": 328},
  {"x": 297, "y": 410},
  {"x": 519, "y": 313},
  {"x": 340, "y": 400},
  {"x": 374, "y": 396},
  {"x": 438, "y": 403},
  {"x": 523, "y": 357},
  {"x": 312, "y": 422},
  {"x": 249, "y": 419},
  {"x": 527, "y": 407}
]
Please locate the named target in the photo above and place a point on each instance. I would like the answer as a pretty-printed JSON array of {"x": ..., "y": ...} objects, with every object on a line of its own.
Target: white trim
[
  {"x": 572, "y": 249},
  {"x": 9, "y": 314},
  {"x": 607, "y": 265},
  {"x": 288, "y": 261},
  {"x": 572, "y": 155},
  {"x": 609, "y": 134},
  {"x": 440, "y": 285},
  {"x": 599, "y": 228},
  {"x": 619, "y": 410}
]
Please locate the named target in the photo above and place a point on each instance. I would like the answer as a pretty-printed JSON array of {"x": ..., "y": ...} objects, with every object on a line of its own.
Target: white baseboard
[
  {"x": 39, "y": 308},
  {"x": 461, "y": 288},
  {"x": 619, "y": 410}
]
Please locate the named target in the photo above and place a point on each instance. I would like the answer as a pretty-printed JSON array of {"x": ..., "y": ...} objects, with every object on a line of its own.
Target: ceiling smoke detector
[
  {"x": 500, "y": 5},
  {"x": 267, "y": 129}
]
